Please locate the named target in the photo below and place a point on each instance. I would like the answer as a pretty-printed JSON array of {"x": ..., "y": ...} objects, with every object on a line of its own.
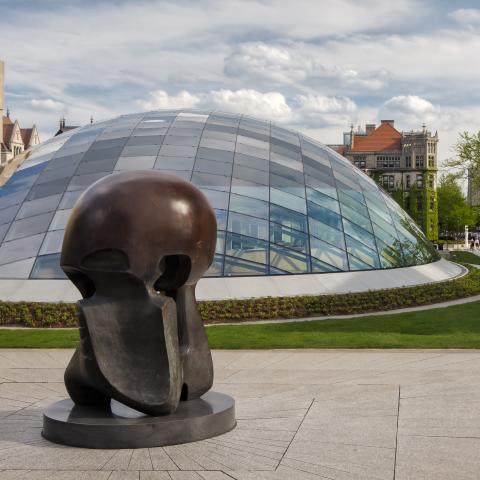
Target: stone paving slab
[{"x": 302, "y": 414}]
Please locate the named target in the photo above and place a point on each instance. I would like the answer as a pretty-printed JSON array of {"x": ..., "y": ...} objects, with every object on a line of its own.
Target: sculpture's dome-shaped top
[{"x": 284, "y": 202}]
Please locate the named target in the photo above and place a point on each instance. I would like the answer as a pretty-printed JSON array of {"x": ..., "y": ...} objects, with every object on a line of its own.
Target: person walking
[
  {"x": 472, "y": 245},
  {"x": 477, "y": 243}
]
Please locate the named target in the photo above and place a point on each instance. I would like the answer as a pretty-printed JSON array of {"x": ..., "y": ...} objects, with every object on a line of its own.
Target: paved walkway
[{"x": 312, "y": 414}]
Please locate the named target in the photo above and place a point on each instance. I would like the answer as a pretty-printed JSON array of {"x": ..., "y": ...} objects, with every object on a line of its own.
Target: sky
[{"x": 317, "y": 66}]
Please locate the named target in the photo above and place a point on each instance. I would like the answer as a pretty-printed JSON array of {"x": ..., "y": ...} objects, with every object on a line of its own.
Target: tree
[
  {"x": 453, "y": 210},
  {"x": 467, "y": 161}
]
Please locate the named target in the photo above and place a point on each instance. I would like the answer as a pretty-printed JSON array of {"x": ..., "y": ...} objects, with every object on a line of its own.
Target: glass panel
[
  {"x": 363, "y": 253},
  {"x": 216, "y": 198},
  {"x": 26, "y": 247},
  {"x": 174, "y": 163},
  {"x": 48, "y": 189},
  {"x": 288, "y": 218},
  {"x": 29, "y": 226},
  {"x": 208, "y": 180},
  {"x": 52, "y": 242},
  {"x": 248, "y": 206},
  {"x": 182, "y": 140},
  {"x": 69, "y": 199},
  {"x": 217, "y": 144},
  {"x": 246, "y": 248},
  {"x": 8, "y": 214},
  {"x": 286, "y": 161},
  {"x": 252, "y": 162},
  {"x": 19, "y": 269},
  {"x": 246, "y": 225},
  {"x": 145, "y": 140},
  {"x": 328, "y": 254},
  {"x": 326, "y": 232},
  {"x": 48, "y": 266},
  {"x": 147, "y": 151},
  {"x": 213, "y": 154},
  {"x": 252, "y": 151},
  {"x": 288, "y": 260},
  {"x": 356, "y": 218},
  {"x": 286, "y": 237},
  {"x": 60, "y": 219},
  {"x": 95, "y": 167},
  {"x": 390, "y": 256},
  {"x": 135, "y": 163},
  {"x": 212, "y": 166},
  {"x": 356, "y": 264},
  {"x": 250, "y": 189},
  {"x": 220, "y": 245},
  {"x": 216, "y": 267},
  {"x": 81, "y": 182},
  {"x": 287, "y": 200},
  {"x": 105, "y": 153},
  {"x": 59, "y": 172},
  {"x": 359, "y": 233},
  {"x": 319, "y": 266},
  {"x": 322, "y": 200},
  {"x": 321, "y": 186},
  {"x": 41, "y": 205},
  {"x": 174, "y": 151},
  {"x": 325, "y": 215},
  {"x": 235, "y": 267},
  {"x": 352, "y": 203},
  {"x": 221, "y": 216},
  {"x": 251, "y": 175},
  {"x": 342, "y": 188}
]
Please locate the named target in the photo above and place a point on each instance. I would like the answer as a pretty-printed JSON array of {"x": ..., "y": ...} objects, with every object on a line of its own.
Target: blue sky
[{"x": 315, "y": 66}]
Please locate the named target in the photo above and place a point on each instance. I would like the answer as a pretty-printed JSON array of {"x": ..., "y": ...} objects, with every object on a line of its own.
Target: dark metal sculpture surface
[{"x": 135, "y": 246}]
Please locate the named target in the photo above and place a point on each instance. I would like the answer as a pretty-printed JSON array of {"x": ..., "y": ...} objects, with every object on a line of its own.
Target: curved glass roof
[{"x": 285, "y": 204}]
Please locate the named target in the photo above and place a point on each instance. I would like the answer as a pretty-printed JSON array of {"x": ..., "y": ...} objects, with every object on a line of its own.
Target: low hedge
[{"x": 34, "y": 314}]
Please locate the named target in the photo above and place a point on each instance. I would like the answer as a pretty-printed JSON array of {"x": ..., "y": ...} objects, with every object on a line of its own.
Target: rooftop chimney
[
  {"x": 1, "y": 100},
  {"x": 369, "y": 128},
  {"x": 390, "y": 122}
]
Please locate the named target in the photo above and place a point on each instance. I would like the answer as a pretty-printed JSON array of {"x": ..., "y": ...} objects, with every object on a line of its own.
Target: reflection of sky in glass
[{"x": 284, "y": 203}]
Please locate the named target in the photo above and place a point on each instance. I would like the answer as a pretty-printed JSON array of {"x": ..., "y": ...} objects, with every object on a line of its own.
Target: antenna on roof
[
  {"x": 91, "y": 118},
  {"x": 8, "y": 112}
]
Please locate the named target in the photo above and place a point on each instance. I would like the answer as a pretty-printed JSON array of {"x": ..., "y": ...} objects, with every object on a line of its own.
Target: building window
[
  {"x": 387, "y": 161},
  {"x": 407, "y": 181},
  {"x": 419, "y": 161},
  {"x": 388, "y": 182},
  {"x": 419, "y": 180},
  {"x": 431, "y": 182},
  {"x": 431, "y": 161},
  {"x": 408, "y": 161},
  {"x": 360, "y": 161}
]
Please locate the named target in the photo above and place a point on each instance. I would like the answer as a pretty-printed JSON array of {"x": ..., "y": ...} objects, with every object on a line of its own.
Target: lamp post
[{"x": 466, "y": 236}]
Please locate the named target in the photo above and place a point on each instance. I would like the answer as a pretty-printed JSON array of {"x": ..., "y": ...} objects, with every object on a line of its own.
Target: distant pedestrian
[
  {"x": 472, "y": 245},
  {"x": 477, "y": 243}
]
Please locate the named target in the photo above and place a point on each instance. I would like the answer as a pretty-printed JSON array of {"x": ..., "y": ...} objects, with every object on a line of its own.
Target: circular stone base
[{"x": 122, "y": 427}]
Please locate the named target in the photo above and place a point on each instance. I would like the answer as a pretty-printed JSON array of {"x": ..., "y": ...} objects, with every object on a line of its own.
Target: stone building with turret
[
  {"x": 13, "y": 139},
  {"x": 403, "y": 163}
]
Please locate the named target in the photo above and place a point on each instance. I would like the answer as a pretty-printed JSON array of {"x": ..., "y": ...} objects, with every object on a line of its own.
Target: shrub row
[{"x": 34, "y": 314}]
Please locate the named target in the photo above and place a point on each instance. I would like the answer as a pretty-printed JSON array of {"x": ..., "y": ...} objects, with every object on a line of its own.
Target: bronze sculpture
[{"x": 135, "y": 245}]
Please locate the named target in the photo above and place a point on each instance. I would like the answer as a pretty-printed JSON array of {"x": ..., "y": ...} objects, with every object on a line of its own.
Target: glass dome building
[{"x": 285, "y": 204}]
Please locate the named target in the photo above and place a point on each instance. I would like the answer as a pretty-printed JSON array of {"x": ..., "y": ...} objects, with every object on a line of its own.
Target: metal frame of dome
[{"x": 285, "y": 204}]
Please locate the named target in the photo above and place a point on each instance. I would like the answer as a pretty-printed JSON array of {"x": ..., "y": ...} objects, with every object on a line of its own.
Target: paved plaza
[{"x": 310, "y": 414}]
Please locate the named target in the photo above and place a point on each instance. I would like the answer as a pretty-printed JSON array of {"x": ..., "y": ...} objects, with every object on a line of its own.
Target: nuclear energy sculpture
[{"x": 135, "y": 246}]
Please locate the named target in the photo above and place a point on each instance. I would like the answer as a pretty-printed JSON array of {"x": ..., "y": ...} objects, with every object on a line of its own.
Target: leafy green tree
[
  {"x": 453, "y": 210},
  {"x": 466, "y": 163}
]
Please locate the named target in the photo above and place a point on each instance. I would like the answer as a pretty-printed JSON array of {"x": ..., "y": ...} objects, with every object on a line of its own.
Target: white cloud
[
  {"x": 294, "y": 63},
  {"x": 47, "y": 104},
  {"x": 269, "y": 105},
  {"x": 412, "y": 111},
  {"x": 466, "y": 16},
  {"x": 161, "y": 99},
  {"x": 316, "y": 110}
]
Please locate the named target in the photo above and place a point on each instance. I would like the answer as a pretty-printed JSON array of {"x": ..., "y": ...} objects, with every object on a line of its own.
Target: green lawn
[
  {"x": 465, "y": 257},
  {"x": 453, "y": 327}
]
